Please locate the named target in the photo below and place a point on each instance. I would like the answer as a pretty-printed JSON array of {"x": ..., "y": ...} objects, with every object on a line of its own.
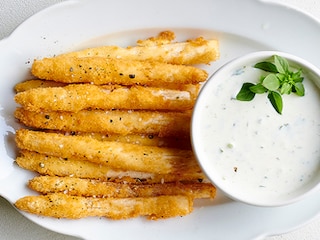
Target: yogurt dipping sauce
[{"x": 247, "y": 149}]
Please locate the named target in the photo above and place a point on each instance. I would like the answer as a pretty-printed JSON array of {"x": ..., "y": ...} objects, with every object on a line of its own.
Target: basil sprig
[{"x": 280, "y": 80}]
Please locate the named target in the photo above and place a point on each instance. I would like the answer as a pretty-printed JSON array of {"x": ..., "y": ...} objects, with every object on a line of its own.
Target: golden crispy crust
[
  {"x": 140, "y": 139},
  {"x": 50, "y": 165},
  {"x": 36, "y": 83},
  {"x": 193, "y": 89},
  {"x": 113, "y": 154},
  {"x": 164, "y": 37},
  {"x": 101, "y": 71},
  {"x": 66, "y": 167},
  {"x": 76, "y": 97},
  {"x": 160, "y": 49},
  {"x": 162, "y": 124},
  {"x": 96, "y": 188},
  {"x": 65, "y": 206}
]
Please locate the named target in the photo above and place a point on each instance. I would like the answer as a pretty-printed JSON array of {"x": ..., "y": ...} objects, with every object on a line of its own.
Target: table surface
[{"x": 12, "y": 224}]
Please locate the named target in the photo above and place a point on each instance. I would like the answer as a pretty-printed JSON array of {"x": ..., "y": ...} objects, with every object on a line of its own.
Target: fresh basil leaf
[
  {"x": 267, "y": 66},
  {"x": 296, "y": 74},
  {"x": 258, "y": 88},
  {"x": 300, "y": 79},
  {"x": 282, "y": 64},
  {"x": 286, "y": 88},
  {"x": 245, "y": 94},
  {"x": 297, "y": 77},
  {"x": 276, "y": 101},
  {"x": 271, "y": 82},
  {"x": 299, "y": 89},
  {"x": 282, "y": 77}
]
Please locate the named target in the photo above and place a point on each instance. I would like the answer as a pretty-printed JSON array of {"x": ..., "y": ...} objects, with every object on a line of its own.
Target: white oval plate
[{"x": 241, "y": 26}]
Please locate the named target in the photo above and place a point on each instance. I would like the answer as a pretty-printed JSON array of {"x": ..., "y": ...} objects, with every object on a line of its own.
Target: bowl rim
[{"x": 247, "y": 59}]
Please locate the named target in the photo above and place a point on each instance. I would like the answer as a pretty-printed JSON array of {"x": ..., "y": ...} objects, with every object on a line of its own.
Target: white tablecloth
[{"x": 12, "y": 224}]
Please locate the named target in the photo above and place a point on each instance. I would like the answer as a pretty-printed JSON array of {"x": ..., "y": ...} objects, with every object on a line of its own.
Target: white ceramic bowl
[{"x": 248, "y": 150}]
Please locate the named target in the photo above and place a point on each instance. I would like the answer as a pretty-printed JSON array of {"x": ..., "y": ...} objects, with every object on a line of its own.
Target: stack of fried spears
[{"x": 108, "y": 130}]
